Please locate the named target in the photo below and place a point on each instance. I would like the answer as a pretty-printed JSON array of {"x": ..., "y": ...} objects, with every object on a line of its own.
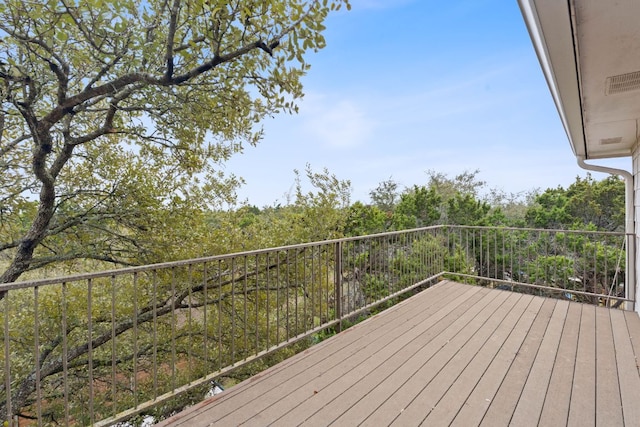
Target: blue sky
[{"x": 407, "y": 86}]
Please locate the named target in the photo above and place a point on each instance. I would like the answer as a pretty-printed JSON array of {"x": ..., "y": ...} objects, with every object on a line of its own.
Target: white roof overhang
[{"x": 589, "y": 51}]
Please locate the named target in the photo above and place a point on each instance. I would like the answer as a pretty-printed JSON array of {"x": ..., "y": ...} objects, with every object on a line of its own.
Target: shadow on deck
[{"x": 451, "y": 355}]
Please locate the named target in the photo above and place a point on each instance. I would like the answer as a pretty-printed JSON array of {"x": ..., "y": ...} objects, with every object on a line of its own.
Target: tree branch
[{"x": 171, "y": 33}]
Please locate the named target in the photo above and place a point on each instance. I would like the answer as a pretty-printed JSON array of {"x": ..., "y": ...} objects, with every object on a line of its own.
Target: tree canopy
[
  {"x": 111, "y": 110},
  {"x": 586, "y": 202}
]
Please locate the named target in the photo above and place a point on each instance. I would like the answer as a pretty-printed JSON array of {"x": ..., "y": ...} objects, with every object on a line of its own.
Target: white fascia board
[{"x": 550, "y": 29}]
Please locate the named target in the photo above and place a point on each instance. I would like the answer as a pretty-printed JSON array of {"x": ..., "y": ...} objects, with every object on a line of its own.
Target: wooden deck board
[
  {"x": 319, "y": 390},
  {"x": 583, "y": 392},
  {"x": 529, "y": 406},
  {"x": 502, "y": 406},
  {"x": 452, "y": 355},
  {"x": 633, "y": 326},
  {"x": 608, "y": 404},
  {"x": 626, "y": 363},
  {"x": 555, "y": 410}
]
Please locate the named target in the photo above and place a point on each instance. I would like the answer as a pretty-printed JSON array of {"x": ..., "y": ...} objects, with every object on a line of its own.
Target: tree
[
  {"x": 600, "y": 203},
  {"x": 321, "y": 212},
  {"x": 385, "y": 195},
  {"x": 365, "y": 219},
  {"x": 418, "y": 207},
  {"x": 104, "y": 101},
  {"x": 512, "y": 207},
  {"x": 466, "y": 210},
  {"x": 549, "y": 209},
  {"x": 466, "y": 182},
  {"x": 584, "y": 202}
]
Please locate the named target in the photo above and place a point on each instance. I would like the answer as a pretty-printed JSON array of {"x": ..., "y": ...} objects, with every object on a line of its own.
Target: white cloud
[{"x": 340, "y": 124}]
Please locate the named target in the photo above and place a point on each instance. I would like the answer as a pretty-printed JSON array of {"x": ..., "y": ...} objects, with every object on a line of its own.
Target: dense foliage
[{"x": 585, "y": 202}]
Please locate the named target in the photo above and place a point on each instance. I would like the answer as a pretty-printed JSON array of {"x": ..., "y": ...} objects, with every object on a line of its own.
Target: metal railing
[
  {"x": 585, "y": 266},
  {"x": 103, "y": 347}
]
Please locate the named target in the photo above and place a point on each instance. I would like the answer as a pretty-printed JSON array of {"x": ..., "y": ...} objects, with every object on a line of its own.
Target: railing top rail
[
  {"x": 166, "y": 265},
  {"x": 553, "y": 230},
  {"x": 193, "y": 261}
]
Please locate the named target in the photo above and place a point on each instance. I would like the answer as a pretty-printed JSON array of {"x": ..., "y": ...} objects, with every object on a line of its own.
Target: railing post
[
  {"x": 630, "y": 273},
  {"x": 338, "y": 283},
  {"x": 7, "y": 362}
]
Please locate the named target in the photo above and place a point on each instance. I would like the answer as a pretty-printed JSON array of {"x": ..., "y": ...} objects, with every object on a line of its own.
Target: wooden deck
[{"x": 452, "y": 355}]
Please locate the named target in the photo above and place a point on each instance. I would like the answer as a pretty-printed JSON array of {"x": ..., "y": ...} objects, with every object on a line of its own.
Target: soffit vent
[
  {"x": 611, "y": 141},
  {"x": 623, "y": 83}
]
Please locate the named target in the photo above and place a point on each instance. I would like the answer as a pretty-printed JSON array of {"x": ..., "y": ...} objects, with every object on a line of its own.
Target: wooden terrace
[{"x": 456, "y": 355}]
